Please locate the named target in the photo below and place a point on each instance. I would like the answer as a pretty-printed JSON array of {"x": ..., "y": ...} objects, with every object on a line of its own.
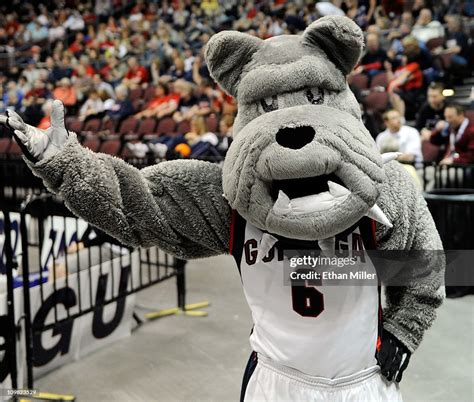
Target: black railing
[
  {"x": 8, "y": 321},
  {"x": 435, "y": 176},
  {"x": 69, "y": 270}
]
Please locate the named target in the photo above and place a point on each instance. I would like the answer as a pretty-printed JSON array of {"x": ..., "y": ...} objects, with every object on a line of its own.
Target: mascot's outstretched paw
[
  {"x": 393, "y": 357},
  {"x": 38, "y": 144}
]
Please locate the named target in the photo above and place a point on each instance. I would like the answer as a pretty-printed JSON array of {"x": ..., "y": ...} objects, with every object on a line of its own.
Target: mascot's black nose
[{"x": 295, "y": 137}]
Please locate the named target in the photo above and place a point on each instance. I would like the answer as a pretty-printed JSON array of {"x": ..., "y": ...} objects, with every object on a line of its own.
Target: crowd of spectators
[{"x": 92, "y": 55}]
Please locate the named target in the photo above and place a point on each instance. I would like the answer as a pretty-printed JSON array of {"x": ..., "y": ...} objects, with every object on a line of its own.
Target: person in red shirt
[
  {"x": 77, "y": 46},
  {"x": 66, "y": 93},
  {"x": 456, "y": 135},
  {"x": 160, "y": 104},
  {"x": 406, "y": 82},
  {"x": 136, "y": 74}
]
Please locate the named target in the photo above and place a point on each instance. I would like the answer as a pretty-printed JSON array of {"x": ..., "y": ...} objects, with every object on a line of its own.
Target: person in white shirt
[
  {"x": 408, "y": 138},
  {"x": 92, "y": 106},
  {"x": 426, "y": 28}
]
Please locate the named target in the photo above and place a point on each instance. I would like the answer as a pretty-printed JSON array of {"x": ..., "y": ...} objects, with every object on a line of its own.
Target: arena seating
[
  {"x": 361, "y": 81},
  {"x": 379, "y": 80}
]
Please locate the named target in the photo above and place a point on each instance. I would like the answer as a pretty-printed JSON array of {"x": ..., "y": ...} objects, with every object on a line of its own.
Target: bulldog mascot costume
[{"x": 302, "y": 173}]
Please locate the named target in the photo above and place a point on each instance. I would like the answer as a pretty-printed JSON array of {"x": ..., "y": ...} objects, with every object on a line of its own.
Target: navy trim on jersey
[
  {"x": 237, "y": 237},
  {"x": 249, "y": 369}
]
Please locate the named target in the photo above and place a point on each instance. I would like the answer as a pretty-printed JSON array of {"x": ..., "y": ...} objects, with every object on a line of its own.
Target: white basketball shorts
[{"x": 270, "y": 381}]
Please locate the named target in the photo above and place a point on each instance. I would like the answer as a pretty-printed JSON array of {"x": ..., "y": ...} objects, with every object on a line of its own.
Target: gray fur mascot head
[{"x": 302, "y": 164}]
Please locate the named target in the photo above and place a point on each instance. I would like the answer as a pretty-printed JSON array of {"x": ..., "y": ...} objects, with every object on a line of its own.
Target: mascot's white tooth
[
  {"x": 337, "y": 190},
  {"x": 390, "y": 156},
  {"x": 282, "y": 204},
  {"x": 266, "y": 244},
  {"x": 328, "y": 246},
  {"x": 377, "y": 214},
  {"x": 312, "y": 203}
]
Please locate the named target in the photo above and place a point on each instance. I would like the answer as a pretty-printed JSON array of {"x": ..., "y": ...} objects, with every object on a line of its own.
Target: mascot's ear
[
  {"x": 339, "y": 37},
  {"x": 226, "y": 55}
]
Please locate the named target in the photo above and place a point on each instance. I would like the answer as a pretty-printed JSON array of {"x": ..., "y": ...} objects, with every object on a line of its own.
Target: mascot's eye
[
  {"x": 270, "y": 104},
  {"x": 317, "y": 99}
]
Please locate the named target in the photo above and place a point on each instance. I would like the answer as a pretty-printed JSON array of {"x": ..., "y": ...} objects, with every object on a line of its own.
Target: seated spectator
[
  {"x": 84, "y": 61},
  {"x": 177, "y": 70},
  {"x": 12, "y": 96},
  {"x": 77, "y": 47},
  {"x": 456, "y": 42},
  {"x": 82, "y": 82},
  {"x": 66, "y": 93},
  {"x": 24, "y": 86},
  {"x": 361, "y": 11},
  {"x": 391, "y": 144},
  {"x": 120, "y": 108},
  {"x": 199, "y": 132},
  {"x": 408, "y": 138},
  {"x": 136, "y": 74},
  {"x": 199, "y": 139},
  {"x": 56, "y": 31},
  {"x": 105, "y": 90},
  {"x": 113, "y": 71},
  {"x": 59, "y": 70},
  {"x": 38, "y": 90},
  {"x": 92, "y": 107},
  {"x": 373, "y": 60},
  {"x": 163, "y": 104},
  {"x": 31, "y": 73},
  {"x": 406, "y": 81},
  {"x": 425, "y": 28},
  {"x": 395, "y": 38},
  {"x": 35, "y": 32},
  {"x": 75, "y": 21},
  {"x": 188, "y": 102},
  {"x": 456, "y": 135},
  {"x": 432, "y": 110},
  {"x": 226, "y": 124}
]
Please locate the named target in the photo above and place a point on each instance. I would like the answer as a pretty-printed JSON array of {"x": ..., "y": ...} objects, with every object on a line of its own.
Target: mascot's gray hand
[{"x": 38, "y": 144}]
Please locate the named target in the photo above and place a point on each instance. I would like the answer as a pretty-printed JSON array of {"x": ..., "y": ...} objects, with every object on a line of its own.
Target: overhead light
[{"x": 448, "y": 92}]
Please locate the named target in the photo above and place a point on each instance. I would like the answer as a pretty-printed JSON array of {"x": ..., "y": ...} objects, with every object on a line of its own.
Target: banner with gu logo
[
  {"x": 83, "y": 291},
  {"x": 86, "y": 290}
]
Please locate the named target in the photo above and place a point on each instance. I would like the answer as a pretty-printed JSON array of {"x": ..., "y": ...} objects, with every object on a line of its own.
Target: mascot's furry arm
[
  {"x": 411, "y": 309},
  {"x": 177, "y": 206}
]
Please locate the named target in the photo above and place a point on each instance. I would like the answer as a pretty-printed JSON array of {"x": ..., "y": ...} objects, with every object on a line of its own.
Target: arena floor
[{"x": 202, "y": 359}]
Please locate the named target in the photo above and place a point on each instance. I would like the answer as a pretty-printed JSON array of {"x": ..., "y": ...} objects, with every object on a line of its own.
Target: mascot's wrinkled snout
[{"x": 298, "y": 133}]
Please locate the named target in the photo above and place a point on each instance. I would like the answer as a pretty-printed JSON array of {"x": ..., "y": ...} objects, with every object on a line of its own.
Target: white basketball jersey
[{"x": 325, "y": 331}]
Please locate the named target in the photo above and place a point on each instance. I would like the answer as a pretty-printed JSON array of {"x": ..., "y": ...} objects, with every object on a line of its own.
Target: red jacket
[{"x": 464, "y": 147}]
